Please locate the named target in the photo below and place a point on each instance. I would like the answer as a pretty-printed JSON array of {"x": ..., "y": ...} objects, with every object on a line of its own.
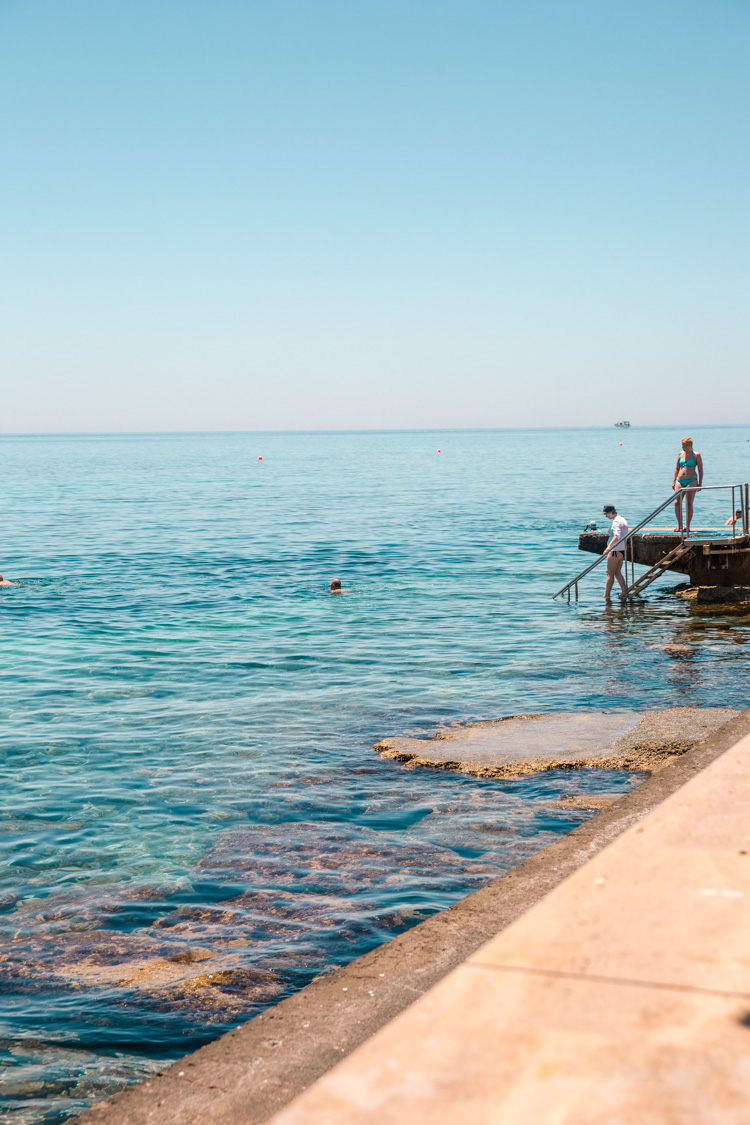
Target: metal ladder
[{"x": 658, "y": 568}]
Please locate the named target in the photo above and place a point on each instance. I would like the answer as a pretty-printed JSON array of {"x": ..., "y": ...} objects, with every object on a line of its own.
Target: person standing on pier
[
  {"x": 615, "y": 551},
  {"x": 688, "y": 474}
]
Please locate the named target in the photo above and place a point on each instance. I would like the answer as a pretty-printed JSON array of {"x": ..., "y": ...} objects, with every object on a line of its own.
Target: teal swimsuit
[{"x": 689, "y": 464}]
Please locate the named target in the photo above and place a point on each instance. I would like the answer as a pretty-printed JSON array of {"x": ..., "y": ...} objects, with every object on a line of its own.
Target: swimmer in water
[
  {"x": 336, "y": 587},
  {"x": 736, "y": 518},
  {"x": 5, "y": 582}
]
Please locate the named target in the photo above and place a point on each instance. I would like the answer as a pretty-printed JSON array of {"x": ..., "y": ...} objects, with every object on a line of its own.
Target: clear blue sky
[{"x": 303, "y": 214}]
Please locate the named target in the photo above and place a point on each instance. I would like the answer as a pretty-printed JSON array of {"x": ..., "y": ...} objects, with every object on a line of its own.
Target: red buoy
[
  {"x": 438, "y": 450},
  {"x": 260, "y": 458}
]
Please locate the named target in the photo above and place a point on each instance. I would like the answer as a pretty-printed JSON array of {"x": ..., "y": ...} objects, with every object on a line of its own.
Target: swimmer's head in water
[{"x": 336, "y": 584}]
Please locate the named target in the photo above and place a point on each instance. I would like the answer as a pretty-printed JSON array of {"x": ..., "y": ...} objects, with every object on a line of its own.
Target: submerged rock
[
  {"x": 280, "y": 904},
  {"x": 525, "y": 744},
  {"x": 714, "y": 595}
]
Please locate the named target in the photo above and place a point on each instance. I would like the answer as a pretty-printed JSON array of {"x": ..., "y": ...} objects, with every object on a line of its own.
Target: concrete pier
[
  {"x": 605, "y": 979},
  {"x": 715, "y": 558}
]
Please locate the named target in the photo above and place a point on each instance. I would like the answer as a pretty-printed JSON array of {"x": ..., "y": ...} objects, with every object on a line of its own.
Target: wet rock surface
[
  {"x": 527, "y": 744},
  {"x": 274, "y": 911},
  {"x": 715, "y": 595}
]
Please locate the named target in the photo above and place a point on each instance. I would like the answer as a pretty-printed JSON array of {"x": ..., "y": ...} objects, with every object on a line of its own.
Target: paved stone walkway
[{"x": 621, "y": 998}]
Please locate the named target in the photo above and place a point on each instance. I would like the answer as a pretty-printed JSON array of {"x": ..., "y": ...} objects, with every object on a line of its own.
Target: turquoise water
[{"x": 194, "y": 821}]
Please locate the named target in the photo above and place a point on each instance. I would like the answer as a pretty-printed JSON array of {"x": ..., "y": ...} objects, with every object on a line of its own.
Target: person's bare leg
[
  {"x": 678, "y": 508},
  {"x": 690, "y": 501},
  {"x": 610, "y": 577},
  {"x": 620, "y": 579}
]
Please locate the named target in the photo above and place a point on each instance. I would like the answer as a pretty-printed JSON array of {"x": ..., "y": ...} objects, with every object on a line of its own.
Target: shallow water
[{"x": 194, "y": 821}]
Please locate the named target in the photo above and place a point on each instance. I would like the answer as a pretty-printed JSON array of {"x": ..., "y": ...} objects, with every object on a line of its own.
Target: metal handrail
[{"x": 670, "y": 500}]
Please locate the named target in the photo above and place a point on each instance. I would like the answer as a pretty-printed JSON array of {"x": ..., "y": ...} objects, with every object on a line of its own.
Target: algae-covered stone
[
  {"x": 717, "y": 596},
  {"x": 525, "y": 744}
]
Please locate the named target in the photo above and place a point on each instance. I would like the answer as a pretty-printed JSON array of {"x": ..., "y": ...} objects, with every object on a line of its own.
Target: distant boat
[{"x": 622, "y": 425}]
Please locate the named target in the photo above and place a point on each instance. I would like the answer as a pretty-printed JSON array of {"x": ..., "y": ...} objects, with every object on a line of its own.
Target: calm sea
[{"x": 194, "y": 821}]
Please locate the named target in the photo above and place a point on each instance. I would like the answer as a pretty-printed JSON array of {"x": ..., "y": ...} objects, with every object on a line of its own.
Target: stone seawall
[{"x": 247, "y": 1075}]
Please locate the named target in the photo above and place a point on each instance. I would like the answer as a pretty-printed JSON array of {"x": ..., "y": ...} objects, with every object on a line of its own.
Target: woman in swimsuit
[{"x": 688, "y": 474}]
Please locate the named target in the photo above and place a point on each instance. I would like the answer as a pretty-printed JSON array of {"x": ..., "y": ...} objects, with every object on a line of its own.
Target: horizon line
[{"x": 357, "y": 430}]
